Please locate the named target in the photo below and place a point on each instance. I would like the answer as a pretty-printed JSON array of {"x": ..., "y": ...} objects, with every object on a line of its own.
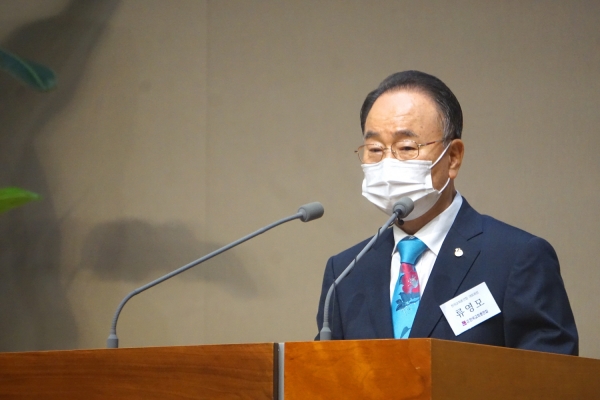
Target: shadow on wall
[
  {"x": 137, "y": 251},
  {"x": 34, "y": 310}
]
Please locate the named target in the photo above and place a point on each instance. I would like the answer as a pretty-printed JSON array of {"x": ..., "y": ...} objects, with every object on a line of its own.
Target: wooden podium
[{"x": 368, "y": 369}]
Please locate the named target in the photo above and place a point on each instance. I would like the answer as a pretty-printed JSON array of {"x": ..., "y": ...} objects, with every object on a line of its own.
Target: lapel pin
[{"x": 458, "y": 252}]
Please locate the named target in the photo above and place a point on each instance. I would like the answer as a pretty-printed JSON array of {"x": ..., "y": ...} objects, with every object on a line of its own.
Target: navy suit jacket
[{"x": 521, "y": 271}]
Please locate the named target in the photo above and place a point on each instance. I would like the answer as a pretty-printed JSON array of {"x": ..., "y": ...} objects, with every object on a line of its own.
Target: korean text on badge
[{"x": 470, "y": 308}]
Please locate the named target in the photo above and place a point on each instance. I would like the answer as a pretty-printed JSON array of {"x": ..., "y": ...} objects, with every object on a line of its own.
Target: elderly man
[{"x": 498, "y": 285}]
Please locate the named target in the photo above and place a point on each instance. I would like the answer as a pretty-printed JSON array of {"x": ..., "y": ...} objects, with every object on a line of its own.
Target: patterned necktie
[{"x": 407, "y": 291}]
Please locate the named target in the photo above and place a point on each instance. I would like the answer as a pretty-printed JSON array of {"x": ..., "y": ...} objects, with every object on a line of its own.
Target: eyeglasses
[{"x": 402, "y": 150}]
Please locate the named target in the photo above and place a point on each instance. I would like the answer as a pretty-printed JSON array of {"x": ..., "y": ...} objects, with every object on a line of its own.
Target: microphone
[
  {"x": 306, "y": 213},
  {"x": 311, "y": 211},
  {"x": 401, "y": 209}
]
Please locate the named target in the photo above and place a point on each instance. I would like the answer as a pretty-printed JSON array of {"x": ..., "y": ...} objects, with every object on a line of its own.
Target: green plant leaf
[
  {"x": 35, "y": 75},
  {"x": 12, "y": 197}
]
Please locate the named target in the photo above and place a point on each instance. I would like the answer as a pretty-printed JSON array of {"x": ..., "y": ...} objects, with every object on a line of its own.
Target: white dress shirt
[{"x": 433, "y": 235}]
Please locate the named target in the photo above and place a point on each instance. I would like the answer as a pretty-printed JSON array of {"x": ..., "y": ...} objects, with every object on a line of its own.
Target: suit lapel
[
  {"x": 377, "y": 283},
  {"x": 449, "y": 269}
]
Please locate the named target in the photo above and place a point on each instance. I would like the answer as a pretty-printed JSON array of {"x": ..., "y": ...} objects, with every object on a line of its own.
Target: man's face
[{"x": 408, "y": 115}]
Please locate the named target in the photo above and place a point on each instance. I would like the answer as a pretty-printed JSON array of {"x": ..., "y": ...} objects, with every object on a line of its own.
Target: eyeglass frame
[{"x": 419, "y": 145}]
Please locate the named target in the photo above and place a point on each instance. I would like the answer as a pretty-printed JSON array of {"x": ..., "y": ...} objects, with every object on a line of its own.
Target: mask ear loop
[
  {"x": 442, "y": 189},
  {"x": 440, "y": 157},
  {"x": 436, "y": 161}
]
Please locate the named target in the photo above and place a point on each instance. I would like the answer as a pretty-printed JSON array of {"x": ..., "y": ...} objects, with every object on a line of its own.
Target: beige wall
[{"x": 182, "y": 125}]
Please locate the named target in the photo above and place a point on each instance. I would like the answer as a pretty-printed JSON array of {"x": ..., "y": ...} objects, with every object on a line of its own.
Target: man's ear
[{"x": 456, "y": 152}]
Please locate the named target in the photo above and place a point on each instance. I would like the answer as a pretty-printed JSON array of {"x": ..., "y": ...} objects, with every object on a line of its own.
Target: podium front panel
[{"x": 242, "y": 371}]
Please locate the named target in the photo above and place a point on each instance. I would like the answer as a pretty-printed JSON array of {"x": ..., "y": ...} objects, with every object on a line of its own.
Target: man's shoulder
[
  {"x": 490, "y": 223},
  {"x": 491, "y": 226}
]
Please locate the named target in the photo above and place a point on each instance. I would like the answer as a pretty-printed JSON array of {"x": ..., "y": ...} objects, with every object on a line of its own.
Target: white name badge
[{"x": 470, "y": 308}]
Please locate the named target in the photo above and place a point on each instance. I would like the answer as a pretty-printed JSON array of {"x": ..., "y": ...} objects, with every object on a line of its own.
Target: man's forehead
[{"x": 402, "y": 113}]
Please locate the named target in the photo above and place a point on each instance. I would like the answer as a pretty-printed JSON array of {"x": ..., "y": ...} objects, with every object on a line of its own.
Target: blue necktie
[{"x": 405, "y": 301}]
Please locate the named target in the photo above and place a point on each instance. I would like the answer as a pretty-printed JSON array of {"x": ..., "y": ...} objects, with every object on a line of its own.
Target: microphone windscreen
[
  {"x": 403, "y": 207},
  {"x": 311, "y": 211}
]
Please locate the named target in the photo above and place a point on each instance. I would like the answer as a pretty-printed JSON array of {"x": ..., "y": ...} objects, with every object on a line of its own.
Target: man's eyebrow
[
  {"x": 401, "y": 132},
  {"x": 370, "y": 134}
]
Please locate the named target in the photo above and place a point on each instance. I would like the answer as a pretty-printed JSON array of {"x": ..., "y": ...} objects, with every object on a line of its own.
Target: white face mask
[{"x": 391, "y": 179}]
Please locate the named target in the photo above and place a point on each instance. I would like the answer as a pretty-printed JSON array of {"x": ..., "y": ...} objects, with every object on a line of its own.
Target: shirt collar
[{"x": 434, "y": 233}]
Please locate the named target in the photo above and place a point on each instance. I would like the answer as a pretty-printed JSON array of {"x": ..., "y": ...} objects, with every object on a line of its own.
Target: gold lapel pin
[{"x": 458, "y": 252}]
